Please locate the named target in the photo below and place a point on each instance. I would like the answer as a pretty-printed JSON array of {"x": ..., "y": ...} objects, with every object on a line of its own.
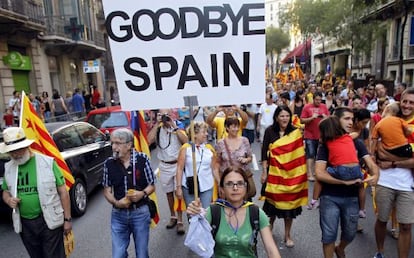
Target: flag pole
[
  {"x": 133, "y": 118},
  {"x": 21, "y": 108},
  {"x": 192, "y": 101}
]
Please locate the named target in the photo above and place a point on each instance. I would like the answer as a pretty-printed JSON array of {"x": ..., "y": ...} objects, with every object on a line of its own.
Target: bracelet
[{"x": 68, "y": 219}]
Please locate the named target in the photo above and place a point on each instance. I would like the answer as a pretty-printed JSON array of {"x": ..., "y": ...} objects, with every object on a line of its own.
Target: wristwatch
[
  {"x": 145, "y": 194},
  {"x": 68, "y": 219}
]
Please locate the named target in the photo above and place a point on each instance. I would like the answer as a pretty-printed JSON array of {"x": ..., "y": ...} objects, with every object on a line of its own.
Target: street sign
[{"x": 91, "y": 66}]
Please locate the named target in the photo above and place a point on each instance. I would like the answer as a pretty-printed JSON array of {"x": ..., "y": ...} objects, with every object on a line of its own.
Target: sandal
[
  {"x": 338, "y": 254},
  {"x": 289, "y": 243},
  {"x": 395, "y": 234},
  {"x": 172, "y": 223},
  {"x": 180, "y": 228}
]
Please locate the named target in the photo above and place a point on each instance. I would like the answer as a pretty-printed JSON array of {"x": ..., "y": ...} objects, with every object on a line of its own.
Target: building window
[{"x": 397, "y": 36}]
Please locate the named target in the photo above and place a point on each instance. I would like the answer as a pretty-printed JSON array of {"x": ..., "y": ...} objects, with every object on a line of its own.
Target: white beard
[{"x": 23, "y": 159}]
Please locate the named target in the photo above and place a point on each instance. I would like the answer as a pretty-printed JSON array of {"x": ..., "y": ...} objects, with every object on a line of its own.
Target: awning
[{"x": 301, "y": 52}]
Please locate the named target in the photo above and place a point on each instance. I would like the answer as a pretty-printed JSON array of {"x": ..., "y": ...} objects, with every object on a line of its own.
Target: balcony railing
[
  {"x": 32, "y": 10},
  {"x": 56, "y": 27}
]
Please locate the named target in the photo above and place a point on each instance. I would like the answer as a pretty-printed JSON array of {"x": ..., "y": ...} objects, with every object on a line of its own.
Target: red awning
[{"x": 300, "y": 52}]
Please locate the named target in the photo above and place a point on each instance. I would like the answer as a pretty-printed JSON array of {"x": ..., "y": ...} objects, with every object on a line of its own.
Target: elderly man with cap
[{"x": 35, "y": 189}]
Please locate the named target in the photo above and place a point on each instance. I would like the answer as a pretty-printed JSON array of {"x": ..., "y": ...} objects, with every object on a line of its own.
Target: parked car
[
  {"x": 108, "y": 119},
  {"x": 84, "y": 148},
  {"x": 4, "y": 208}
]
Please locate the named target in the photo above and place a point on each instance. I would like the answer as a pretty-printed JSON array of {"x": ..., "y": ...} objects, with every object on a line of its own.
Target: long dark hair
[
  {"x": 275, "y": 125},
  {"x": 330, "y": 129}
]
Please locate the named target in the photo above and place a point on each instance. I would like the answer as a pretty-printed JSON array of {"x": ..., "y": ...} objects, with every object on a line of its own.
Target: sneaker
[
  {"x": 314, "y": 204},
  {"x": 379, "y": 255},
  {"x": 362, "y": 214}
]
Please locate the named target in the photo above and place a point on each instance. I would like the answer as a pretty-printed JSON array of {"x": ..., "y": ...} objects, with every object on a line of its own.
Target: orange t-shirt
[
  {"x": 391, "y": 131},
  {"x": 342, "y": 151}
]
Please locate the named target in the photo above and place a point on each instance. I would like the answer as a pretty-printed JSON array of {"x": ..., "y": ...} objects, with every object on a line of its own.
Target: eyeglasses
[
  {"x": 370, "y": 88},
  {"x": 239, "y": 184},
  {"x": 118, "y": 143}
]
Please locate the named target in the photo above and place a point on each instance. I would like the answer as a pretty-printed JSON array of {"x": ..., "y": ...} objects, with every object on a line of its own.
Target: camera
[{"x": 165, "y": 118}]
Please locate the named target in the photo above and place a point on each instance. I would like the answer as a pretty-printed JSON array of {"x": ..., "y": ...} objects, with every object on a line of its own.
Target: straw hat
[{"x": 14, "y": 139}]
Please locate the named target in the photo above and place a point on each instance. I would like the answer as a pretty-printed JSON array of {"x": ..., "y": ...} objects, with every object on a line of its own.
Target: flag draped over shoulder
[
  {"x": 35, "y": 129},
  {"x": 139, "y": 130},
  {"x": 287, "y": 183}
]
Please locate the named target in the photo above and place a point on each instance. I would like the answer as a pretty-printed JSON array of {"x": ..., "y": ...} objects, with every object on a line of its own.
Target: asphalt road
[{"x": 93, "y": 236}]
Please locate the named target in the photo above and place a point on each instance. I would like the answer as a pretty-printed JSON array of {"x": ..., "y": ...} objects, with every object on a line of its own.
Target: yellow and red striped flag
[
  {"x": 139, "y": 129},
  {"x": 179, "y": 204},
  {"x": 287, "y": 181},
  {"x": 35, "y": 129}
]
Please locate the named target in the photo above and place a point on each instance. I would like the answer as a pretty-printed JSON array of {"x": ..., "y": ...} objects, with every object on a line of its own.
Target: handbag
[
  {"x": 199, "y": 238},
  {"x": 250, "y": 181},
  {"x": 190, "y": 184}
]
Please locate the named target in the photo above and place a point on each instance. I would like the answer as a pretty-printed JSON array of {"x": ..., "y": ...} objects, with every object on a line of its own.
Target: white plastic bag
[{"x": 199, "y": 238}]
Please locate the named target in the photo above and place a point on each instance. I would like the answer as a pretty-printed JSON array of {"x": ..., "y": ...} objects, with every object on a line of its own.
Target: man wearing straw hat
[{"x": 35, "y": 189}]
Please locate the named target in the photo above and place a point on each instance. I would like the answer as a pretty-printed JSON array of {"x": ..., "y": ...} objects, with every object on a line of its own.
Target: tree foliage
[
  {"x": 276, "y": 40},
  {"x": 337, "y": 19}
]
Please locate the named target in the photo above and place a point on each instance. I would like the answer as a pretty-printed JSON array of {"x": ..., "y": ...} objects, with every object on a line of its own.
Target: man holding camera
[{"x": 169, "y": 135}]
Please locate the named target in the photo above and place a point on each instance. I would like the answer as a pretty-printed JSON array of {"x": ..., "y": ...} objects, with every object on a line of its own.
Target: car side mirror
[{"x": 107, "y": 135}]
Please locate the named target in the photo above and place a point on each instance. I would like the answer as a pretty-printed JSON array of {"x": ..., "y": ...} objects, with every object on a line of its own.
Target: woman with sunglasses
[{"x": 234, "y": 232}]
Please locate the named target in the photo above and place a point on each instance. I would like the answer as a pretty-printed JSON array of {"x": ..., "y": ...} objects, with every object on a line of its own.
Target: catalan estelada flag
[
  {"x": 139, "y": 129},
  {"x": 287, "y": 182},
  {"x": 35, "y": 129}
]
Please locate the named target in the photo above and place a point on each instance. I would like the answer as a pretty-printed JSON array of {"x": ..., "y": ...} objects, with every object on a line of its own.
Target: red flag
[{"x": 35, "y": 129}]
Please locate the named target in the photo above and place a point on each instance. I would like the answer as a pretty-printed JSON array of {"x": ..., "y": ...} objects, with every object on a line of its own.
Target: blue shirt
[{"x": 77, "y": 102}]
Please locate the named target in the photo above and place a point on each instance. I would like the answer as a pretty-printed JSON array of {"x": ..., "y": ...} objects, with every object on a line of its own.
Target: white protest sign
[{"x": 164, "y": 50}]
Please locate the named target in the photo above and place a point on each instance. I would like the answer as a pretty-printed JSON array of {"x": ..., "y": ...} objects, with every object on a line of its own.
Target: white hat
[{"x": 14, "y": 139}]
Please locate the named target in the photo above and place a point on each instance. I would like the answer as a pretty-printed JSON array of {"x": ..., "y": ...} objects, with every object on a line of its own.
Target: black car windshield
[{"x": 108, "y": 120}]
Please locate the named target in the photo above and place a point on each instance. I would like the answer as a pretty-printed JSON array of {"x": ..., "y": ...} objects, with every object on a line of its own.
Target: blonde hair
[
  {"x": 392, "y": 108},
  {"x": 198, "y": 125}
]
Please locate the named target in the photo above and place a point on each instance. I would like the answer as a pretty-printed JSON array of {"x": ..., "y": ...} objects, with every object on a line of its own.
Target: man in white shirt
[
  {"x": 14, "y": 103},
  {"x": 394, "y": 189},
  {"x": 265, "y": 118}
]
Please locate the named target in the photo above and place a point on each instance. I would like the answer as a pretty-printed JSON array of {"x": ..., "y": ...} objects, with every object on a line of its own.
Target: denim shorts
[
  {"x": 335, "y": 210},
  {"x": 345, "y": 173},
  {"x": 311, "y": 146}
]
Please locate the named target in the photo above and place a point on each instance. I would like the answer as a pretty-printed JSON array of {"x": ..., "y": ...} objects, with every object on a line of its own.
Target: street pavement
[{"x": 93, "y": 235}]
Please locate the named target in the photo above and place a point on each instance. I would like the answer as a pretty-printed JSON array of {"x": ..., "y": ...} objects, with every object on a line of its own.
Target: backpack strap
[
  {"x": 215, "y": 210},
  {"x": 254, "y": 222}
]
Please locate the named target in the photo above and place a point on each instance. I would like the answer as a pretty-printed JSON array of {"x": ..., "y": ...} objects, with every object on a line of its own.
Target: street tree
[
  {"x": 337, "y": 19},
  {"x": 276, "y": 40}
]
